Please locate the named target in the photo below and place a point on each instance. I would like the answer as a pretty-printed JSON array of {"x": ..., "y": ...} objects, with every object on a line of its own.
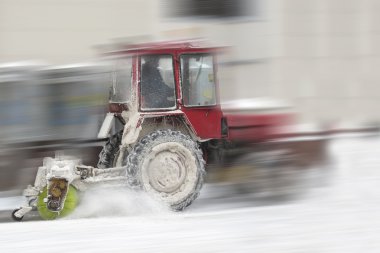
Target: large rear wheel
[{"x": 168, "y": 165}]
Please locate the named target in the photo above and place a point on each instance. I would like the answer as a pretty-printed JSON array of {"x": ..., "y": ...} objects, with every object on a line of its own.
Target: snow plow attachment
[
  {"x": 56, "y": 190},
  {"x": 50, "y": 209},
  {"x": 53, "y": 194}
]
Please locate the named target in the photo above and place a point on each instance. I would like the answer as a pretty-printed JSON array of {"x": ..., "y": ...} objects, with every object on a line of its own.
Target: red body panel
[
  {"x": 205, "y": 121},
  {"x": 255, "y": 127}
]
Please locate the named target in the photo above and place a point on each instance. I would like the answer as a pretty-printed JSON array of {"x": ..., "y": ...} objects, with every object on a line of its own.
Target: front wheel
[
  {"x": 168, "y": 165},
  {"x": 16, "y": 218},
  {"x": 110, "y": 152}
]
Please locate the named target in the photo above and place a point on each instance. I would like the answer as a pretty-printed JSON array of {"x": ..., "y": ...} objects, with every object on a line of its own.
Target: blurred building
[{"x": 320, "y": 55}]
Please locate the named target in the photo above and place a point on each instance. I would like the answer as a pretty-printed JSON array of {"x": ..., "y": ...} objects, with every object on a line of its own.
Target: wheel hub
[
  {"x": 167, "y": 165},
  {"x": 167, "y": 170}
]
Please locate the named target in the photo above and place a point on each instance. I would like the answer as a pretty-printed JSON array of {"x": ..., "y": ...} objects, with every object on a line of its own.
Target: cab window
[
  {"x": 197, "y": 76},
  {"x": 121, "y": 76},
  {"x": 157, "y": 82}
]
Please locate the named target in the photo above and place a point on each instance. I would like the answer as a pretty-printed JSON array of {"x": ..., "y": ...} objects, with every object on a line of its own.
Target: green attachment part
[{"x": 69, "y": 206}]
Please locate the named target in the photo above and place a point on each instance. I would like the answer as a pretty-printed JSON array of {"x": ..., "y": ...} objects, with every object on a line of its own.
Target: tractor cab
[{"x": 167, "y": 79}]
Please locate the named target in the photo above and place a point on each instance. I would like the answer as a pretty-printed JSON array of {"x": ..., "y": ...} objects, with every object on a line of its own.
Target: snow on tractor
[{"x": 165, "y": 123}]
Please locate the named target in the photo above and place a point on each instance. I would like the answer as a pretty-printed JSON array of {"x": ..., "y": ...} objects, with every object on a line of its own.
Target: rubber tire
[
  {"x": 144, "y": 147},
  {"x": 71, "y": 203},
  {"x": 108, "y": 155}
]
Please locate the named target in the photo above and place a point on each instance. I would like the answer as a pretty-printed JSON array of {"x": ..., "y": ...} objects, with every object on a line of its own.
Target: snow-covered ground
[{"x": 343, "y": 216}]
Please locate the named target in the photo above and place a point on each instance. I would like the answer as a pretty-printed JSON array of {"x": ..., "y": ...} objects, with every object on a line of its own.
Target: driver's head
[{"x": 152, "y": 60}]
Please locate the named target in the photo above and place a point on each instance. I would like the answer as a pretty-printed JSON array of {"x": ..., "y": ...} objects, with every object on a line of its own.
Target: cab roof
[{"x": 183, "y": 45}]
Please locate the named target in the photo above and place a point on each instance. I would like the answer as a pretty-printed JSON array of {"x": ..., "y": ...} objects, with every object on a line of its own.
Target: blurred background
[
  {"x": 317, "y": 56},
  {"x": 320, "y": 56}
]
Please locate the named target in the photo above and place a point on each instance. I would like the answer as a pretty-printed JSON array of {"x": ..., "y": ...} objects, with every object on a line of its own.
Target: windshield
[{"x": 121, "y": 79}]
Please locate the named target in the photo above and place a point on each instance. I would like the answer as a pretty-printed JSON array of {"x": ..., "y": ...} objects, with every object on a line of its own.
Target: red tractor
[{"x": 165, "y": 123}]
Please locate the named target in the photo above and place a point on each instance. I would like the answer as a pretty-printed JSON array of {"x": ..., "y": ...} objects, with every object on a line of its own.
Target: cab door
[{"x": 199, "y": 94}]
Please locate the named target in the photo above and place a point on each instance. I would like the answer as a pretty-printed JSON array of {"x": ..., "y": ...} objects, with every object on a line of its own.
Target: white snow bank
[{"x": 342, "y": 217}]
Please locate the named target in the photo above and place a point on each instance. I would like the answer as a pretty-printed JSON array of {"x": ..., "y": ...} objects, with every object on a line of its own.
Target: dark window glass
[
  {"x": 157, "y": 82},
  {"x": 210, "y": 8}
]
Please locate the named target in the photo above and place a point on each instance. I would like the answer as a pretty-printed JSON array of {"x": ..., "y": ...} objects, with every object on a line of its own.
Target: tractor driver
[{"x": 155, "y": 92}]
